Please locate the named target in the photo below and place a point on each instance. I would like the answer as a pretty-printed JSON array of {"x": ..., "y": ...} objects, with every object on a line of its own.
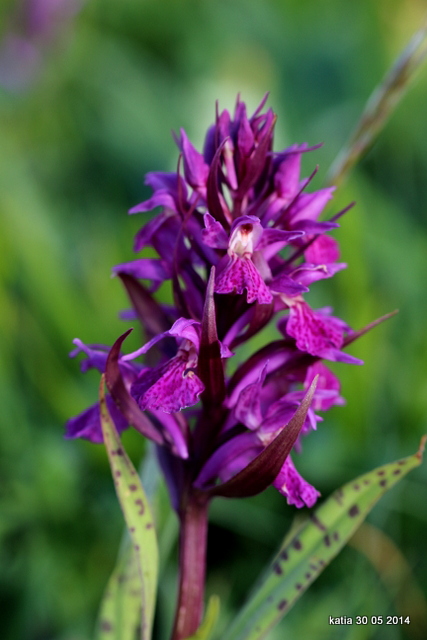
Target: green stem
[{"x": 192, "y": 565}]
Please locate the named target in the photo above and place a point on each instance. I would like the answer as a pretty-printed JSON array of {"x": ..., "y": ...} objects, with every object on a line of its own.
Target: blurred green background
[{"x": 79, "y": 128}]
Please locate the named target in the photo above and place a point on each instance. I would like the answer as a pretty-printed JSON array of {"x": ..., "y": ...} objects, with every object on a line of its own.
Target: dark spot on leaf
[
  {"x": 366, "y": 481},
  {"x": 118, "y": 452},
  {"x": 308, "y": 576},
  {"x": 383, "y": 483},
  {"x": 284, "y": 555},
  {"x": 396, "y": 472},
  {"x": 321, "y": 563},
  {"x": 313, "y": 567},
  {"x": 298, "y": 586},
  {"x": 297, "y": 545},
  {"x": 149, "y": 525},
  {"x": 106, "y": 626},
  {"x": 402, "y": 462},
  {"x": 381, "y": 472},
  {"x": 136, "y": 547},
  {"x": 315, "y": 520},
  {"x": 338, "y": 495},
  {"x": 118, "y": 474},
  {"x": 282, "y": 604},
  {"x": 132, "y": 529},
  {"x": 277, "y": 569},
  {"x": 336, "y": 536},
  {"x": 353, "y": 511},
  {"x": 327, "y": 541},
  {"x": 133, "y": 487},
  {"x": 356, "y": 487},
  {"x": 140, "y": 504}
]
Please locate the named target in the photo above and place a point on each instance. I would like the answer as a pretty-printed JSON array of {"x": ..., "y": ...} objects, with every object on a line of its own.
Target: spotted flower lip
[
  {"x": 316, "y": 332},
  {"x": 173, "y": 385},
  {"x": 247, "y": 249}
]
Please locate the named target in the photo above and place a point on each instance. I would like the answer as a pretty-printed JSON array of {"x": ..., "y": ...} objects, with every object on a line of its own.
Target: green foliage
[
  {"x": 204, "y": 632},
  {"x": 75, "y": 145},
  {"x": 120, "y": 613}
]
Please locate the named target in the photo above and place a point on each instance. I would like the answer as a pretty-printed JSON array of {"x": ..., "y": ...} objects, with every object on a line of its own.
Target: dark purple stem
[{"x": 192, "y": 564}]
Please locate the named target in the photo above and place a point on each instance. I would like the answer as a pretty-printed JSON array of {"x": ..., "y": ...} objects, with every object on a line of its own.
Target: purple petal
[
  {"x": 313, "y": 332},
  {"x": 169, "y": 387},
  {"x": 181, "y": 328},
  {"x": 158, "y": 227},
  {"x": 308, "y": 273},
  {"x": 229, "y": 459},
  {"x": 285, "y": 284},
  {"x": 273, "y": 240},
  {"x": 309, "y": 205},
  {"x": 245, "y": 136},
  {"x": 195, "y": 168},
  {"x": 146, "y": 269},
  {"x": 214, "y": 235},
  {"x": 274, "y": 355},
  {"x": 286, "y": 177},
  {"x": 87, "y": 425},
  {"x": 188, "y": 329},
  {"x": 159, "y": 199},
  {"x": 311, "y": 227},
  {"x": 322, "y": 250},
  {"x": 327, "y": 381},
  {"x": 293, "y": 486},
  {"x": 166, "y": 181},
  {"x": 240, "y": 274},
  {"x": 248, "y": 407},
  {"x": 173, "y": 432},
  {"x": 96, "y": 355}
]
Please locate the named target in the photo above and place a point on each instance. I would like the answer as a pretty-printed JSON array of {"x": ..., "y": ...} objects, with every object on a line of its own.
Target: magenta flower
[{"x": 239, "y": 238}]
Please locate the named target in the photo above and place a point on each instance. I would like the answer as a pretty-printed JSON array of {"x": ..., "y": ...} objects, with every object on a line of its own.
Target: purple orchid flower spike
[{"x": 240, "y": 241}]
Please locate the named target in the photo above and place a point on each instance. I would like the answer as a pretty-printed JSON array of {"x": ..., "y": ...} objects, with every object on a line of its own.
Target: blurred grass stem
[{"x": 380, "y": 106}]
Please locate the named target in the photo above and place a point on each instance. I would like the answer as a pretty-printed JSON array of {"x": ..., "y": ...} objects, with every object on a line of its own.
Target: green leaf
[
  {"x": 206, "y": 628},
  {"x": 140, "y": 524},
  {"x": 304, "y": 554},
  {"x": 120, "y": 612}
]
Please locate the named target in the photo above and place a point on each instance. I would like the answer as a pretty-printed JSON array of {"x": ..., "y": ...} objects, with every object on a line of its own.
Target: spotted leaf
[
  {"x": 120, "y": 612},
  {"x": 139, "y": 522},
  {"x": 304, "y": 554}
]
